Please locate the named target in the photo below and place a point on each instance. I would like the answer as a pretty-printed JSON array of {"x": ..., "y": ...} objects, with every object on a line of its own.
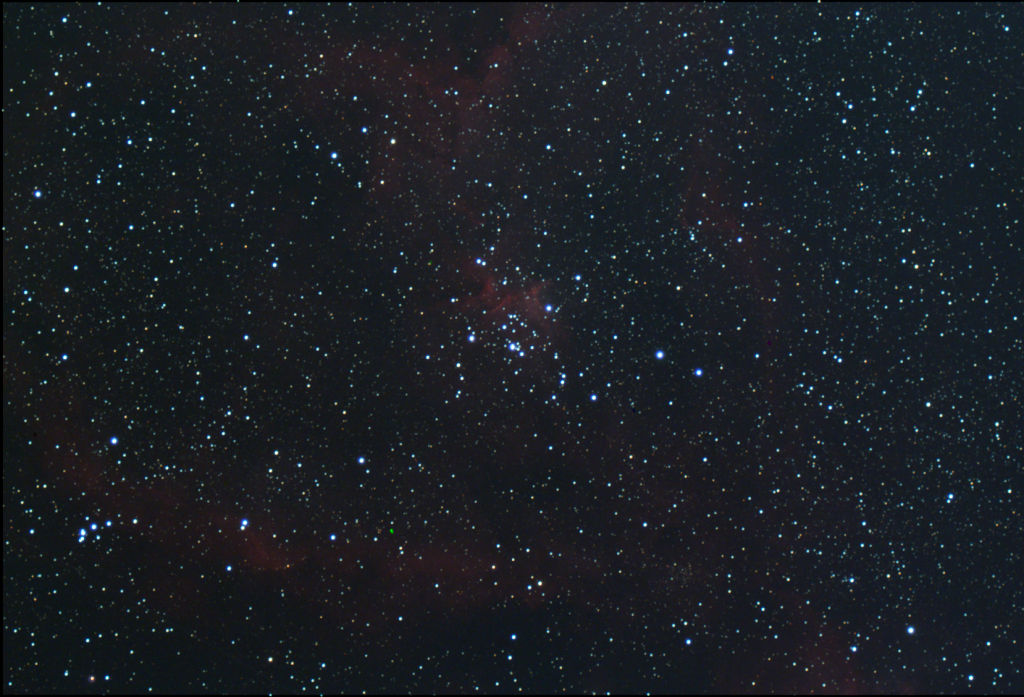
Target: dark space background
[{"x": 513, "y": 348}]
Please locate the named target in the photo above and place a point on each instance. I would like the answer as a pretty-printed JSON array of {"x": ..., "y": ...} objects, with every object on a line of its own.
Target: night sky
[{"x": 513, "y": 348}]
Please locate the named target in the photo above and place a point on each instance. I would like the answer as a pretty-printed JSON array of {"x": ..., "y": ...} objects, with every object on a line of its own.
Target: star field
[{"x": 526, "y": 348}]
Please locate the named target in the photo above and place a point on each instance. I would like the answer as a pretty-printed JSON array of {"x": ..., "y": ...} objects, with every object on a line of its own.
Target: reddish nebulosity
[
  {"x": 191, "y": 541},
  {"x": 493, "y": 300}
]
